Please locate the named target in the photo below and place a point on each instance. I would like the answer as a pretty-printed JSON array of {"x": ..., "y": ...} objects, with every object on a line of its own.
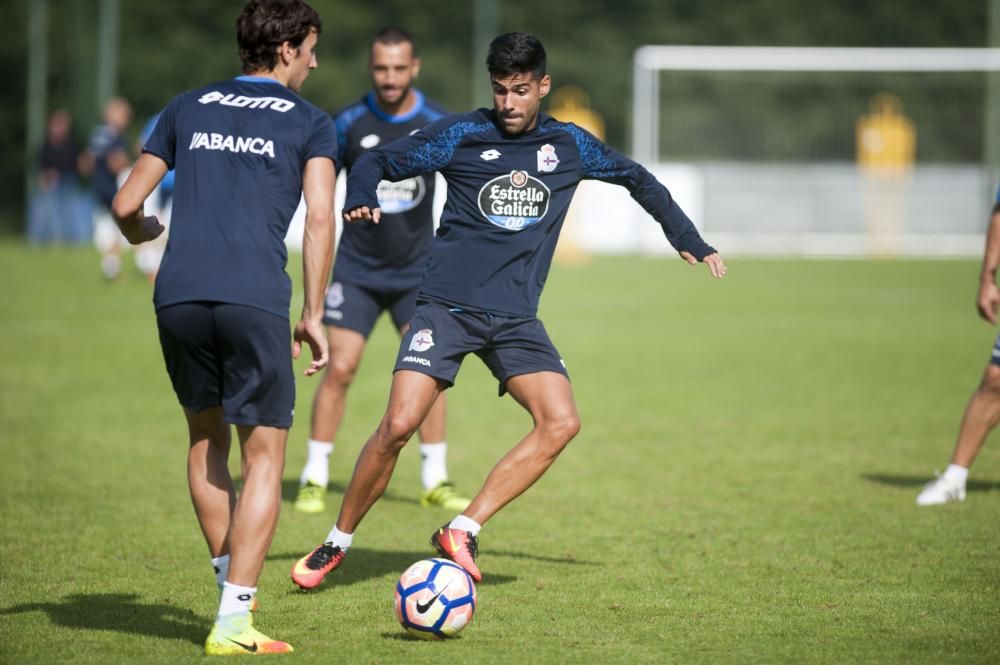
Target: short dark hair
[
  {"x": 392, "y": 36},
  {"x": 516, "y": 53},
  {"x": 264, "y": 25}
]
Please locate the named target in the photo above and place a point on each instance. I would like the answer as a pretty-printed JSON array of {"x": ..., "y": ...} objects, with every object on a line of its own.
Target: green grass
[{"x": 742, "y": 490}]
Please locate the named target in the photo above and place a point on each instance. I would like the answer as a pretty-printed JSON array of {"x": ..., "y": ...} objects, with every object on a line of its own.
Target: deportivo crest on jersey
[
  {"x": 422, "y": 340},
  {"x": 547, "y": 158},
  {"x": 370, "y": 141},
  {"x": 489, "y": 155},
  {"x": 397, "y": 197},
  {"x": 242, "y": 101},
  {"x": 514, "y": 201},
  {"x": 213, "y": 141},
  {"x": 335, "y": 295}
]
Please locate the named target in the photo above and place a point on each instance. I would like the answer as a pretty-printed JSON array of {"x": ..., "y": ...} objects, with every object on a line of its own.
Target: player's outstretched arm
[
  {"x": 714, "y": 262},
  {"x": 363, "y": 213},
  {"x": 394, "y": 161},
  {"x": 318, "y": 180},
  {"x": 127, "y": 207}
]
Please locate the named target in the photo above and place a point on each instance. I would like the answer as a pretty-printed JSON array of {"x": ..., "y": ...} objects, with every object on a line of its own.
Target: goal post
[{"x": 967, "y": 183}]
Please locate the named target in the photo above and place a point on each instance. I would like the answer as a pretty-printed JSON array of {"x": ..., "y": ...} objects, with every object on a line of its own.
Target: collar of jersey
[
  {"x": 256, "y": 79},
  {"x": 395, "y": 119}
]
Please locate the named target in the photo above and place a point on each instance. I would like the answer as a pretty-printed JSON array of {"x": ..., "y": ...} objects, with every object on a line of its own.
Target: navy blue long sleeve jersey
[
  {"x": 391, "y": 254},
  {"x": 507, "y": 199}
]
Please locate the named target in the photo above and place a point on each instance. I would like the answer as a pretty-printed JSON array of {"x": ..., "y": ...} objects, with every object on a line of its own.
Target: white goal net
[{"x": 824, "y": 151}]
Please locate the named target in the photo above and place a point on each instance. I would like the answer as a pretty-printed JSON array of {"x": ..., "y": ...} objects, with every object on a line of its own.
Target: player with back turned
[
  {"x": 511, "y": 174},
  {"x": 243, "y": 152},
  {"x": 378, "y": 268}
]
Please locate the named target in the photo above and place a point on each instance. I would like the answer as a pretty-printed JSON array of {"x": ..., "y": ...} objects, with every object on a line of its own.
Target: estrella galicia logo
[
  {"x": 397, "y": 197},
  {"x": 514, "y": 201}
]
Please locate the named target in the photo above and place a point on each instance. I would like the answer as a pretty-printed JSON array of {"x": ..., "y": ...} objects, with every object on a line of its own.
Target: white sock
[
  {"x": 956, "y": 473},
  {"x": 317, "y": 468},
  {"x": 221, "y": 566},
  {"x": 340, "y": 539},
  {"x": 433, "y": 467},
  {"x": 236, "y": 599},
  {"x": 463, "y": 523}
]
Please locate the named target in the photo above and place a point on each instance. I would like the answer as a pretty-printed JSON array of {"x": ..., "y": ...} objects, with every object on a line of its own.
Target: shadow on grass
[
  {"x": 363, "y": 564},
  {"x": 893, "y": 480},
  {"x": 335, "y": 491},
  {"x": 122, "y": 613},
  {"x": 406, "y": 637}
]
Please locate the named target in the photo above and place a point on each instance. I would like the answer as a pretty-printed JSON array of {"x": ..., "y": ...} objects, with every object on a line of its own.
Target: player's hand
[
  {"x": 713, "y": 261},
  {"x": 988, "y": 301},
  {"x": 363, "y": 213},
  {"x": 311, "y": 332},
  {"x": 143, "y": 229}
]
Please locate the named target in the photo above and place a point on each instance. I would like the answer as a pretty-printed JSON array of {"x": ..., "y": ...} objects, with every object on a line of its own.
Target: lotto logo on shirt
[
  {"x": 514, "y": 201},
  {"x": 243, "y": 102},
  {"x": 402, "y": 196}
]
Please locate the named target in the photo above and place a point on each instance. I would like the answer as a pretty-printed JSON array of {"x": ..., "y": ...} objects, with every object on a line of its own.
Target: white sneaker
[{"x": 941, "y": 490}]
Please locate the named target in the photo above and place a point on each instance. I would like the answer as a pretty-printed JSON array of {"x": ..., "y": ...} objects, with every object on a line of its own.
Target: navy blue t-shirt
[
  {"x": 507, "y": 199},
  {"x": 238, "y": 149},
  {"x": 389, "y": 255}
]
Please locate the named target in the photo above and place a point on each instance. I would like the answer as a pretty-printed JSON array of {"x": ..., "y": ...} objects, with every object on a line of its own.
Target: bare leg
[
  {"x": 212, "y": 491},
  {"x": 433, "y": 429},
  {"x": 981, "y": 416},
  {"x": 411, "y": 398},
  {"x": 346, "y": 348},
  {"x": 548, "y": 398},
  {"x": 256, "y": 513}
]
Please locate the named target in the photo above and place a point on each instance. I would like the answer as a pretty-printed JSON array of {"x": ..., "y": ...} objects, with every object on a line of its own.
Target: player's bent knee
[
  {"x": 397, "y": 428},
  {"x": 265, "y": 461},
  {"x": 562, "y": 429},
  {"x": 990, "y": 384},
  {"x": 340, "y": 372}
]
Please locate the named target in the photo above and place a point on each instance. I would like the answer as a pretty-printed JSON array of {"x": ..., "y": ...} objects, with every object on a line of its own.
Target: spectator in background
[
  {"x": 56, "y": 214},
  {"x": 106, "y": 160}
]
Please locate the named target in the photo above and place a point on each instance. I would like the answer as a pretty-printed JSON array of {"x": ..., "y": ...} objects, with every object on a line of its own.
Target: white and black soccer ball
[{"x": 435, "y": 599}]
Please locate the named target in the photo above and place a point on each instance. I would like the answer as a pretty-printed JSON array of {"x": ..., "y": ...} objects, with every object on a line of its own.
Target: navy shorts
[
  {"x": 441, "y": 336},
  {"x": 233, "y": 356},
  {"x": 995, "y": 355},
  {"x": 357, "y": 308}
]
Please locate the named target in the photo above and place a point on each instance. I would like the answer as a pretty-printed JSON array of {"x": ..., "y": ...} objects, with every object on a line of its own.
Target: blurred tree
[{"x": 170, "y": 47}]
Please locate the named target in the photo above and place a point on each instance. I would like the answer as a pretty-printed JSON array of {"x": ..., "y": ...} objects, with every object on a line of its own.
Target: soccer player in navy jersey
[
  {"x": 243, "y": 152},
  {"x": 983, "y": 411},
  {"x": 511, "y": 174},
  {"x": 378, "y": 268}
]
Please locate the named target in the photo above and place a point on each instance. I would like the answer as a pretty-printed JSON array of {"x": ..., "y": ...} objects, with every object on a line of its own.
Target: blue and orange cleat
[
  {"x": 459, "y": 546},
  {"x": 234, "y": 635},
  {"x": 310, "y": 570}
]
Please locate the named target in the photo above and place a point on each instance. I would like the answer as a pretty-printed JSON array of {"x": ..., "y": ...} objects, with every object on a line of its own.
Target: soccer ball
[{"x": 435, "y": 599}]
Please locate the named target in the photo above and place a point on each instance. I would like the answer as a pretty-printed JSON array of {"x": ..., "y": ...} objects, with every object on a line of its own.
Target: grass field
[{"x": 742, "y": 490}]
